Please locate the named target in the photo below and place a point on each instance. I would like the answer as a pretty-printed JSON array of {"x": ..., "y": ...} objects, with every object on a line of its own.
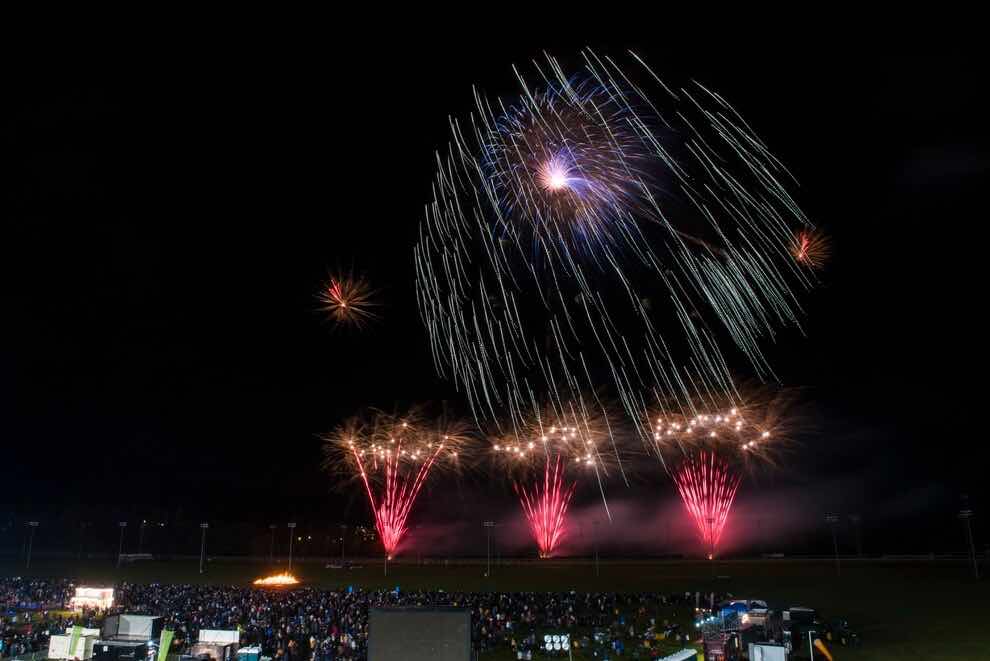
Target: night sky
[{"x": 168, "y": 221}]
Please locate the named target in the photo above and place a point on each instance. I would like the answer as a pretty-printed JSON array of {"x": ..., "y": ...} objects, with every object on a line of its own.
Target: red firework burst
[
  {"x": 811, "y": 248},
  {"x": 545, "y": 505},
  {"x": 393, "y": 457},
  {"x": 348, "y": 300},
  {"x": 707, "y": 486},
  {"x": 396, "y": 500}
]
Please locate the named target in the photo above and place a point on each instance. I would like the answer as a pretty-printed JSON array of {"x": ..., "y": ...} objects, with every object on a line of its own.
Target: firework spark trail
[
  {"x": 393, "y": 456},
  {"x": 708, "y": 452},
  {"x": 399, "y": 493},
  {"x": 545, "y": 505},
  {"x": 707, "y": 486},
  {"x": 587, "y": 192},
  {"x": 585, "y": 432}
]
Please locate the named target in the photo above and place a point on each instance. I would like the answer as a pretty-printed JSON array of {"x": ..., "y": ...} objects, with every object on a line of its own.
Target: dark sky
[{"x": 168, "y": 219}]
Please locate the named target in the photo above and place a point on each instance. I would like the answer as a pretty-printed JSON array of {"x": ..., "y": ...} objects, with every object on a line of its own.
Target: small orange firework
[
  {"x": 349, "y": 300},
  {"x": 277, "y": 580},
  {"x": 811, "y": 248}
]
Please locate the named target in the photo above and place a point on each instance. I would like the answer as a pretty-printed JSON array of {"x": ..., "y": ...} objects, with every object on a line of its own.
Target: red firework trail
[
  {"x": 545, "y": 506},
  {"x": 399, "y": 492},
  {"x": 707, "y": 487}
]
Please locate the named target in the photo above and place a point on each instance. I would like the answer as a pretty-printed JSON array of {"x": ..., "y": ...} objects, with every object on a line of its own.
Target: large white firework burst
[{"x": 605, "y": 230}]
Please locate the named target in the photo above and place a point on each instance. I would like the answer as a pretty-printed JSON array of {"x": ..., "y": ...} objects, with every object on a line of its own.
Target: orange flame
[{"x": 278, "y": 579}]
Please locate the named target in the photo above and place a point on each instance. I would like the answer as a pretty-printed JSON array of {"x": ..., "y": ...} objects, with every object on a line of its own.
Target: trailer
[{"x": 60, "y": 647}]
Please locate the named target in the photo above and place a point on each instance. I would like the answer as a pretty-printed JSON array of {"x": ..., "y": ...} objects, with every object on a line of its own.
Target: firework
[
  {"x": 348, "y": 300},
  {"x": 585, "y": 433},
  {"x": 580, "y": 432},
  {"x": 559, "y": 218},
  {"x": 709, "y": 451},
  {"x": 392, "y": 456},
  {"x": 749, "y": 432},
  {"x": 545, "y": 505},
  {"x": 811, "y": 248},
  {"x": 536, "y": 453},
  {"x": 707, "y": 486}
]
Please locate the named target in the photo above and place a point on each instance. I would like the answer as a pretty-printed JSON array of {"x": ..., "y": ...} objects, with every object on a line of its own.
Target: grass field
[{"x": 903, "y": 610}]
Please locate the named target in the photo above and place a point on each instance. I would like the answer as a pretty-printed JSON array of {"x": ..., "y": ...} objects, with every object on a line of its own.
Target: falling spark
[
  {"x": 561, "y": 219},
  {"x": 545, "y": 505}
]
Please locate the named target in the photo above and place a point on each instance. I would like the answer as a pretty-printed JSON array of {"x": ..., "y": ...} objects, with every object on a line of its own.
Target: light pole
[
  {"x": 857, "y": 520},
  {"x": 33, "y": 525},
  {"x": 711, "y": 541},
  {"x": 292, "y": 528},
  {"x": 488, "y": 534},
  {"x": 144, "y": 524},
  {"x": 120, "y": 547},
  {"x": 387, "y": 558},
  {"x": 82, "y": 537},
  {"x": 966, "y": 515},
  {"x": 832, "y": 520},
  {"x": 594, "y": 526},
  {"x": 202, "y": 545},
  {"x": 343, "y": 535},
  {"x": 271, "y": 546}
]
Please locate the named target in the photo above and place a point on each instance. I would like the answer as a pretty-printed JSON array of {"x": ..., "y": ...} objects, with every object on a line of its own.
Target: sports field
[{"x": 902, "y": 609}]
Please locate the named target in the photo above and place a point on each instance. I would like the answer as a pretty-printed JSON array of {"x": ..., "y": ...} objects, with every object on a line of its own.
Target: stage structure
[{"x": 419, "y": 634}]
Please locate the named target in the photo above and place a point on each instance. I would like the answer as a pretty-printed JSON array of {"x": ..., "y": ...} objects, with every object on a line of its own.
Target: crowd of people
[
  {"x": 305, "y": 623},
  {"x": 32, "y": 609}
]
